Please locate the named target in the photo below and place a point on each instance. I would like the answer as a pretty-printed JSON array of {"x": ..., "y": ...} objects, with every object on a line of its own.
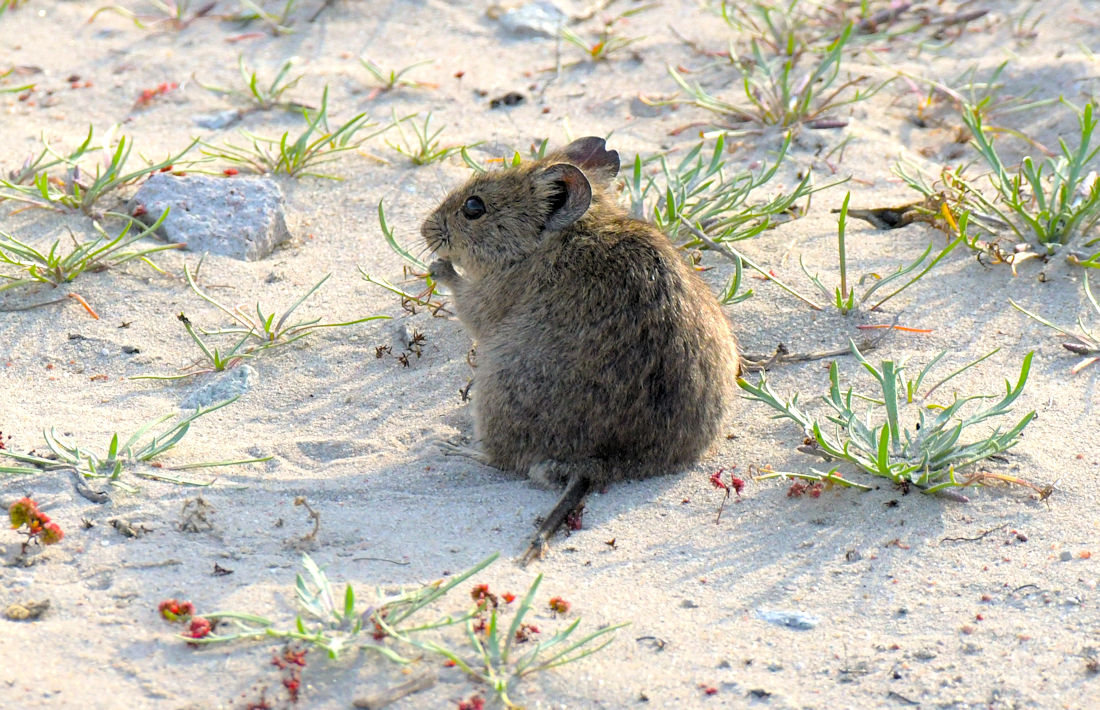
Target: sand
[{"x": 913, "y": 619}]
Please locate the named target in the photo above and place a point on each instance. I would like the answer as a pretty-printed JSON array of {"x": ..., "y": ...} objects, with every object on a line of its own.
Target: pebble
[
  {"x": 218, "y": 121},
  {"x": 790, "y": 619},
  {"x": 534, "y": 19},
  {"x": 1066, "y": 556}
]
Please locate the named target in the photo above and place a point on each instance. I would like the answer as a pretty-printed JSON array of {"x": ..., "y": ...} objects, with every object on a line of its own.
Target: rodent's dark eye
[{"x": 473, "y": 208}]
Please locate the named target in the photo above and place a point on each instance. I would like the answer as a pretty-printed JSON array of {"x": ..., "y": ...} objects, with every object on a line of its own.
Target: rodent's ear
[
  {"x": 592, "y": 156},
  {"x": 569, "y": 192}
]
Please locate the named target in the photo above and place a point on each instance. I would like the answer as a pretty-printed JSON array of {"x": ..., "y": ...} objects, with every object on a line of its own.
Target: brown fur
[{"x": 601, "y": 354}]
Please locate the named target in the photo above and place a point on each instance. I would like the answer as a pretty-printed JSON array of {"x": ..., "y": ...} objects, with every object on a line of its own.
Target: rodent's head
[{"x": 499, "y": 217}]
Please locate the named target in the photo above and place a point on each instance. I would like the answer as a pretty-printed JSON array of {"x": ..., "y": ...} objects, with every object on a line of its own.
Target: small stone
[
  {"x": 218, "y": 121},
  {"x": 241, "y": 218},
  {"x": 924, "y": 654},
  {"x": 689, "y": 604},
  {"x": 130, "y": 350},
  {"x": 29, "y": 611},
  {"x": 512, "y": 98},
  {"x": 853, "y": 555},
  {"x": 533, "y": 19},
  {"x": 231, "y": 383},
  {"x": 1066, "y": 556},
  {"x": 790, "y": 619},
  {"x": 971, "y": 649},
  {"x": 400, "y": 336}
]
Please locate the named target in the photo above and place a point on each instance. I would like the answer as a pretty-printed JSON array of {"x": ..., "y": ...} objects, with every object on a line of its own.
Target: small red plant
[
  {"x": 25, "y": 512},
  {"x": 230, "y": 172},
  {"x": 147, "y": 95},
  {"x": 481, "y": 594},
  {"x": 736, "y": 485},
  {"x": 508, "y": 597},
  {"x": 559, "y": 605},
  {"x": 290, "y": 657},
  {"x": 524, "y": 632},
  {"x": 476, "y": 702},
  {"x": 175, "y": 610},
  {"x": 709, "y": 689},
  {"x": 200, "y": 628},
  {"x": 293, "y": 686},
  {"x": 799, "y": 488}
]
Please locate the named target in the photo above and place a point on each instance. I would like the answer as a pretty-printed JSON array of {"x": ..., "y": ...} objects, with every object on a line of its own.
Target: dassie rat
[{"x": 601, "y": 355}]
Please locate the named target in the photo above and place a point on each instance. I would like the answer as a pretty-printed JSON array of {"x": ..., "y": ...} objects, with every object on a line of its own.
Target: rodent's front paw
[{"x": 443, "y": 271}]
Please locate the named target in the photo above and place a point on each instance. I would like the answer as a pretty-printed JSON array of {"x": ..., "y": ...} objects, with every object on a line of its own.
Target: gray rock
[
  {"x": 238, "y": 217},
  {"x": 218, "y": 121},
  {"x": 790, "y": 619},
  {"x": 231, "y": 383},
  {"x": 535, "y": 19},
  {"x": 1066, "y": 556}
]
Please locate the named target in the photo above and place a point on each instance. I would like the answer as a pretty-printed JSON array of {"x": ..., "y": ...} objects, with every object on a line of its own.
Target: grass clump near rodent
[
  {"x": 254, "y": 334},
  {"x": 55, "y": 268},
  {"x": 607, "y": 41},
  {"x": 700, "y": 190},
  {"x": 132, "y": 456},
  {"x": 77, "y": 188},
  {"x": 424, "y": 149},
  {"x": 317, "y": 145},
  {"x": 1050, "y": 207},
  {"x": 1045, "y": 210},
  {"x": 787, "y": 90},
  {"x": 699, "y": 196},
  {"x": 261, "y": 98},
  {"x": 1085, "y": 344},
  {"x": 876, "y": 442},
  {"x": 845, "y": 299},
  {"x": 390, "y": 79},
  {"x": 498, "y": 656}
]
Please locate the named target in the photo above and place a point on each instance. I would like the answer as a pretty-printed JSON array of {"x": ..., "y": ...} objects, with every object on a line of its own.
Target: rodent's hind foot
[
  {"x": 470, "y": 452},
  {"x": 537, "y": 550}
]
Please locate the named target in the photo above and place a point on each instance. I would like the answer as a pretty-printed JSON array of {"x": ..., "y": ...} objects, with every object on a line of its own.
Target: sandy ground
[{"x": 904, "y": 625}]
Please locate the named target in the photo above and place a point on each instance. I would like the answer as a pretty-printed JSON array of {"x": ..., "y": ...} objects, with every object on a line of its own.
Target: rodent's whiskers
[{"x": 439, "y": 179}]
